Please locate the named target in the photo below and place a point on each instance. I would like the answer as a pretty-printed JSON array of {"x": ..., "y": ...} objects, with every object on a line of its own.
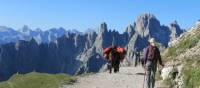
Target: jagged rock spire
[
  {"x": 130, "y": 30},
  {"x": 146, "y": 24},
  {"x": 103, "y": 28},
  {"x": 175, "y": 30}
]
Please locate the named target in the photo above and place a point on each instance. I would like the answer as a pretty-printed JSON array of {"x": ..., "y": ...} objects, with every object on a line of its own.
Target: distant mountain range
[
  {"x": 25, "y": 33},
  {"x": 73, "y": 52}
]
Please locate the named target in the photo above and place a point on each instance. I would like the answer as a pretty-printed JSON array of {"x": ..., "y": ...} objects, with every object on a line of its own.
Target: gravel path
[{"x": 128, "y": 77}]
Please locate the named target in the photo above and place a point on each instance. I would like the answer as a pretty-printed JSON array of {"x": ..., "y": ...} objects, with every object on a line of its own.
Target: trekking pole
[{"x": 144, "y": 78}]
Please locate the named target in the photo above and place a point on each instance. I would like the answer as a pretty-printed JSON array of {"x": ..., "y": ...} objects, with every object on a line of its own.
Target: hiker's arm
[
  {"x": 105, "y": 55},
  {"x": 145, "y": 55}
]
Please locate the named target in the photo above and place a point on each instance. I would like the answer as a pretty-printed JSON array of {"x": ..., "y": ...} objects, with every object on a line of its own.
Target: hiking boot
[
  {"x": 115, "y": 70},
  {"x": 110, "y": 71}
]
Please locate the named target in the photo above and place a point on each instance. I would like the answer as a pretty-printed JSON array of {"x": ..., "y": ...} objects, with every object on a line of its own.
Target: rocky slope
[
  {"x": 182, "y": 60},
  {"x": 76, "y": 53}
]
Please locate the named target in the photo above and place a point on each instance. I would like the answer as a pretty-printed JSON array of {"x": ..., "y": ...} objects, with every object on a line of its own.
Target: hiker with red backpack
[
  {"x": 114, "y": 55},
  {"x": 151, "y": 57}
]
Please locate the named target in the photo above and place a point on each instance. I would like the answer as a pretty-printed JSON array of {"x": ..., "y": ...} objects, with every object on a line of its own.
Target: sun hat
[{"x": 152, "y": 40}]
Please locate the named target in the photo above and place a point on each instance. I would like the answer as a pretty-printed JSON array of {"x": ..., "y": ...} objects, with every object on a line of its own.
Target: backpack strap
[{"x": 146, "y": 55}]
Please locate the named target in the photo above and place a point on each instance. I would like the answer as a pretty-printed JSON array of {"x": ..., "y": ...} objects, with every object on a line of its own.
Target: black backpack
[
  {"x": 151, "y": 53},
  {"x": 115, "y": 54}
]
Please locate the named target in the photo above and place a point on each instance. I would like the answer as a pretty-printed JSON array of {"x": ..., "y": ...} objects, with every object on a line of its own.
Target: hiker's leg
[
  {"x": 153, "y": 75},
  {"x": 118, "y": 67},
  {"x": 139, "y": 60},
  {"x": 151, "y": 79},
  {"x": 115, "y": 68},
  {"x": 114, "y": 65},
  {"x": 136, "y": 61},
  {"x": 148, "y": 77},
  {"x": 110, "y": 70},
  {"x": 109, "y": 66},
  {"x": 117, "y": 64}
]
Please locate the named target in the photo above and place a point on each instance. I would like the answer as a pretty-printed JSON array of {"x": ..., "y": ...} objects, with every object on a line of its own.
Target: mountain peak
[
  {"x": 146, "y": 16},
  {"x": 130, "y": 28},
  {"x": 5, "y": 29},
  {"x": 103, "y": 28},
  {"x": 175, "y": 23},
  {"x": 57, "y": 29},
  {"x": 147, "y": 24},
  {"x": 175, "y": 29},
  {"x": 38, "y": 29},
  {"x": 75, "y": 31},
  {"x": 25, "y": 28}
]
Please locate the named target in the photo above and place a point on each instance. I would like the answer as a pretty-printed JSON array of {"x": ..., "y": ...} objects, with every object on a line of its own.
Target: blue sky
[{"x": 84, "y": 14}]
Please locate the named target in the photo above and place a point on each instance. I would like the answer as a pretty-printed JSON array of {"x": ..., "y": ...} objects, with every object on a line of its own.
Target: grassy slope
[
  {"x": 184, "y": 44},
  {"x": 37, "y": 80},
  {"x": 191, "y": 69},
  {"x": 191, "y": 72}
]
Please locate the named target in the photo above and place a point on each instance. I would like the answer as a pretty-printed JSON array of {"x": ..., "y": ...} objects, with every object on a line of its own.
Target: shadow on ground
[{"x": 140, "y": 73}]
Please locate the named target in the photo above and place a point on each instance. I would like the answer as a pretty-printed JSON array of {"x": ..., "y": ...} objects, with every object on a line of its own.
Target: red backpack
[{"x": 122, "y": 52}]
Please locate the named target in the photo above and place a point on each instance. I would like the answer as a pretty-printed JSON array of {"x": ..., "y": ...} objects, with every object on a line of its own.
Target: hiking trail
[{"x": 128, "y": 77}]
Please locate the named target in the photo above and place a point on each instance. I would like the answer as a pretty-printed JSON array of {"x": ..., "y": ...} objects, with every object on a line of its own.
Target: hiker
[
  {"x": 137, "y": 58},
  {"x": 151, "y": 57},
  {"x": 114, "y": 55},
  {"x": 115, "y": 59}
]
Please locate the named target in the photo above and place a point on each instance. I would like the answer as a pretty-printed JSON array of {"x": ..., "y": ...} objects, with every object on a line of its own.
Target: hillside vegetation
[
  {"x": 37, "y": 80},
  {"x": 183, "y": 56}
]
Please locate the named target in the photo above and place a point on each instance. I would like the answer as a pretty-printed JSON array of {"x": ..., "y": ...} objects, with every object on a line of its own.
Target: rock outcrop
[{"x": 175, "y": 30}]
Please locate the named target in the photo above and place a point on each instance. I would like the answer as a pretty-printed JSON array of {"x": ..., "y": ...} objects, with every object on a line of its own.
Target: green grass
[
  {"x": 183, "y": 45},
  {"x": 169, "y": 82},
  {"x": 37, "y": 80},
  {"x": 191, "y": 73}
]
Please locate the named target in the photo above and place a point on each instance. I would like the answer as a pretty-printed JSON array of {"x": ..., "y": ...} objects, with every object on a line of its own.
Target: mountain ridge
[{"x": 76, "y": 53}]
